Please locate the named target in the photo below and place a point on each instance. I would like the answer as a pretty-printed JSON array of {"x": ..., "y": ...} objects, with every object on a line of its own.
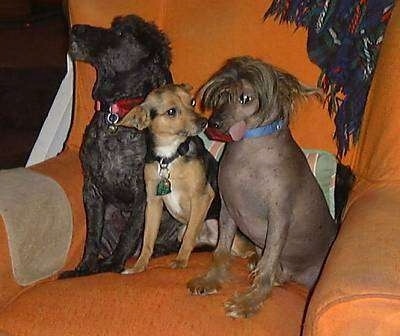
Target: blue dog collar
[{"x": 264, "y": 130}]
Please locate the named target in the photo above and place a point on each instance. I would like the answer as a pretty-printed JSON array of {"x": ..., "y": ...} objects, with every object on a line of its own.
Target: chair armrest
[
  {"x": 65, "y": 170},
  {"x": 359, "y": 290},
  {"x": 8, "y": 286}
]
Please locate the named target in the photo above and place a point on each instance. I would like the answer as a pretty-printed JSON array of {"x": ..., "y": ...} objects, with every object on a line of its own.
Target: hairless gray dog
[{"x": 268, "y": 190}]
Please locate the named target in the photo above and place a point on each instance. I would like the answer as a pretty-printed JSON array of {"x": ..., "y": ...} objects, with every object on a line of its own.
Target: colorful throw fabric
[{"x": 344, "y": 37}]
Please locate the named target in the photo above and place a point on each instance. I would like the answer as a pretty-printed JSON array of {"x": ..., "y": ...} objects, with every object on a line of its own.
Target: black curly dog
[{"x": 131, "y": 58}]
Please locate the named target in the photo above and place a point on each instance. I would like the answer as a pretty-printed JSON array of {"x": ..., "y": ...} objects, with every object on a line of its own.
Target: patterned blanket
[{"x": 344, "y": 37}]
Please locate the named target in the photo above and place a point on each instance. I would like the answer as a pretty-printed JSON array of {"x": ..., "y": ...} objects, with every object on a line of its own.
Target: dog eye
[
  {"x": 245, "y": 99},
  {"x": 193, "y": 102},
  {"x": 171, "y": 112},
  {"x": 120, "y": 33}
]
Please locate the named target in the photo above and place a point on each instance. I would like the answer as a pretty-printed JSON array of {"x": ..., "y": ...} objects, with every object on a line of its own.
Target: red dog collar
[{"x": 120, "y": 107}]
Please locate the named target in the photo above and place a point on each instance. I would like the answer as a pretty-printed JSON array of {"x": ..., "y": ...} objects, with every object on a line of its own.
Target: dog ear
[
  {"x": 186, "y": 87},
  {"x": 138, "y": 118},
  {"x": 291, "y": 87},
  {"x": 204, "y": 99},
  {"x": 290, "y": 90}
]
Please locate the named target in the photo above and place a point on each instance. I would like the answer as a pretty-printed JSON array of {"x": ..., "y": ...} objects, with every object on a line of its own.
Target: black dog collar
[{"x": 165, "y": 161}]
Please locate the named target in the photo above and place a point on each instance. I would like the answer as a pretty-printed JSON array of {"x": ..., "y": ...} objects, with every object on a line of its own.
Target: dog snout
[
  {"x": 202, "y": 123},
  {"x": 215, "y": 123},
  {"x": 78, "y": 29}
]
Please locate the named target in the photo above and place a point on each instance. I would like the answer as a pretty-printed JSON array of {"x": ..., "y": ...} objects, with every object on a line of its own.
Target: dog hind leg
[
  {"x": 211, "y": 282},
  {"x": 244, "y": 248},
  {"x": 167, "y": 240},
  {"x": 114, "y": 224},
  {"x": 128, "y": 242}
]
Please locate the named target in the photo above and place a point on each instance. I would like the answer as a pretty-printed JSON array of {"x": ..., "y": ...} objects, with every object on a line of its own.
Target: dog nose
[
  {"x": 215, "y": 123},
  {"x": 78, "y": 29},
  {"x": 203, "y": 123}
]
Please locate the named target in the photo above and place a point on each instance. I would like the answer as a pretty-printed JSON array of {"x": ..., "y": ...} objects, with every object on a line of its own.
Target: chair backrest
[
  {"x": 203, "y": 34},
  {"x": 378, "y": 153}
]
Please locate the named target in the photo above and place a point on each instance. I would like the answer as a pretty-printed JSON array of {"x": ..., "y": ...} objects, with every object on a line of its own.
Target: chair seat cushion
[{"x": 155, "y": 302}]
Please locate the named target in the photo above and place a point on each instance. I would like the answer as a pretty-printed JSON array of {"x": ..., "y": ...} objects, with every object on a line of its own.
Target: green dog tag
[{"x": 163, "y": 187}]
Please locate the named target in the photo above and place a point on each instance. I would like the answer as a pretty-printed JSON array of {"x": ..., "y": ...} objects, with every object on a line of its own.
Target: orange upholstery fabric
[
  {"x": 358, "y": 293},
  {"x": 203, "y": 35},
  {"x": 151, "y": 303},
  {"x": 66, "y": 170},
  {"x": 378, "y": 156},
  {"x": 362, "y": 273},
  {"x": 8, "y": 287},
  {"x": 202, "y": 43}
]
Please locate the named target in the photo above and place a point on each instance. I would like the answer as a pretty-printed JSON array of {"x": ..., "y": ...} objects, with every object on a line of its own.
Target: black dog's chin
[{"x": 78, "y": 56}]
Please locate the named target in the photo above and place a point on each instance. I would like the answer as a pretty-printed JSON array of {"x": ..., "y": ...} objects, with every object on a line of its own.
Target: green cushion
[{"x": 323, "y": 165}]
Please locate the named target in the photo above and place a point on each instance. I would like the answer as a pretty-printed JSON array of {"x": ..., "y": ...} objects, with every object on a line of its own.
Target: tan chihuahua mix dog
[{"x": 179, "y": 172}]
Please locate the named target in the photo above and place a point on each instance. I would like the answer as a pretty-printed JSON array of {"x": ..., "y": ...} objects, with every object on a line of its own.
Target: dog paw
[
  {"x": 135, "y": 269},
  {"x": 203, "y": 286},
  {"x": 68, "y": 274},
  {"x": 244, "y": 305},
  {"x": 252, "y": 262},
  {"x": 179, "y": 264},
  {"x": 110, "y": 266},
  {"x": 83, "y": 269}
]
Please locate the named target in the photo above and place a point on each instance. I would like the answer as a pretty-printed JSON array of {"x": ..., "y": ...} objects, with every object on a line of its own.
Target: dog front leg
[
  {"x": 127, "y": 243},
  {"x": 94, "y": 209},
  {"x": 152, "y": 224},
  {"x": 211, "y": 282},
  {"x": 249, "y": 303},
  {"x": 199, "y": 208}
]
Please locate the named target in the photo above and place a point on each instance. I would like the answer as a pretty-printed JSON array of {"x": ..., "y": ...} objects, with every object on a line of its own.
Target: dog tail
[{"x": 344, "y": 183}]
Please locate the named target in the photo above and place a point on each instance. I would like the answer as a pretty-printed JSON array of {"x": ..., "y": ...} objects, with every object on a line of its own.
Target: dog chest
[
  {"x": 187, "y": 180},
  {"x": 283, "y": 187},
  {"x": 114, "y": 162},
  {"x": 177, "y": 206}
]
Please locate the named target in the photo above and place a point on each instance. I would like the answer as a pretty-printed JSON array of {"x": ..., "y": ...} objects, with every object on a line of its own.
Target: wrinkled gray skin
[
  {"x": 267, "y": 187},
  {"x": 270, "y": 194}
]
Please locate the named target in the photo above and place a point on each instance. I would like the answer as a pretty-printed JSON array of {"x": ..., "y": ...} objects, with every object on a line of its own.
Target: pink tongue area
[{"x": 237, "y": 130}]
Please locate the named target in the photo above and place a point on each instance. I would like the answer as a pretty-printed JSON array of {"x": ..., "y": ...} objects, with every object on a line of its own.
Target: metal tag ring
[{"x": 112, "y": 118}]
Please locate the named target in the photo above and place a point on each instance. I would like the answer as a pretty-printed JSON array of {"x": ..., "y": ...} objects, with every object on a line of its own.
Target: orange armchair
[{"x": 359, "y": 289}]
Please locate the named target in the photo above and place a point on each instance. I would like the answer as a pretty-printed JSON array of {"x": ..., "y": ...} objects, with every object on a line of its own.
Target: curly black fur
[{"x": 131, "y": 58}]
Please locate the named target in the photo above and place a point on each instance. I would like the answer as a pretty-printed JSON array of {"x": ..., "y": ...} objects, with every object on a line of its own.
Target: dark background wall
[{"x": 33, "y": 46}]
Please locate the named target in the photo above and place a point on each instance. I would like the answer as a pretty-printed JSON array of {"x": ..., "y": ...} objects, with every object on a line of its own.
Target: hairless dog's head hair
[{"x": 273, "y": 88}]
